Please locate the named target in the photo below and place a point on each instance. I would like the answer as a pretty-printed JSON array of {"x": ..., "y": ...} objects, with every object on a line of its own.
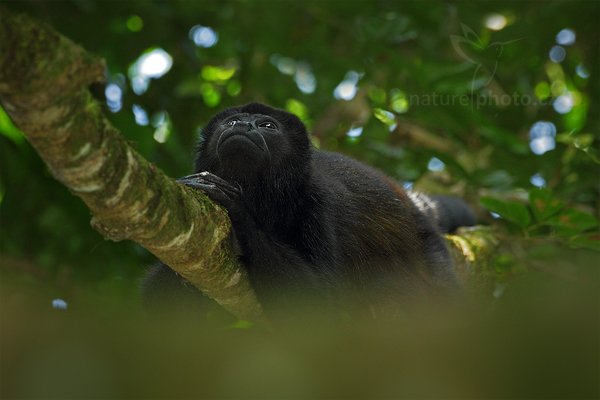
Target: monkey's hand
[{"x": 218, "y": 190}]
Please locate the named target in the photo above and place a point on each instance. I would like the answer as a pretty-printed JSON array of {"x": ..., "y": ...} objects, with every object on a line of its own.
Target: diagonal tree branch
[{"x": 44, "y": 80}]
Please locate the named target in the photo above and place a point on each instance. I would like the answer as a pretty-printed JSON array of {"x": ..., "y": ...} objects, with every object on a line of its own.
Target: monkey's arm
[{"x": 275, "y": 268}]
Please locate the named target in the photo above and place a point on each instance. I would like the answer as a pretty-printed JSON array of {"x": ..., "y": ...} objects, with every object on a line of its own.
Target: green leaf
[
  {"x": 591, "y": 242},
  {"x": 377, "y": 95},
  {"x": 510, "y": 210},
  {"x": 216, "y": 73},
  {"x": 572, "y": 222},
  {"x": 384, "y": 116},
  {"x": 8, "y": 129},
  {"x": 543, "y": 204},
  {"x": 575, "y": 119},
  {"x": 297, "y": 108},
  {"x": 503, "y": 138}
]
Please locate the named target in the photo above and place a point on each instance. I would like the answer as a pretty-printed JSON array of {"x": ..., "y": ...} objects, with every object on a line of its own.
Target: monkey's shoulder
[{"x": 352, "y": 179}]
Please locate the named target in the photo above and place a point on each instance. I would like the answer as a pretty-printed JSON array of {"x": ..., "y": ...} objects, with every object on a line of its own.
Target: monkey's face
[
  {"x": 250, "y": 138},
  {"x": 251, "y": 141}
]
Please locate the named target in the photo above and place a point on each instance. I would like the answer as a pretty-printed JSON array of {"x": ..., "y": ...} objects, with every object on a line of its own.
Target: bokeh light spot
[
  {"x": 304, "y": 78},
  {"x": 566, "y": 37},
  {"x": 582, "y": 71},
  {"x": 140, "y": 115},
  {"x": 495, "y": 21},
  {"x": 537, "y": 180},
  {"x": 435, "y": 164},
  {"x": 387, "y": 117},
  {"x": 285, "y": 65},
  {"x": 564, "y": 103},
  {"x": 114, "y": 97},
  {"x": 154, "y": 64},
  {"x": 134, "y": 23},
  {"x": 557, "y": 54},
  {"x": 355, "y": 132},
  {"x": 346, "y": 89},
  {"x": 398, "y": 101},
  {"x": 162, "y": 124},
  {"x": 542, "y": 90},
  {"x": 542, "y": 137},
  {"x": 234, "y": 88},
  {"x": 297, "y": 108},
  {"x": 59, "y": 304},
  {"x": 203, "y": 36}
]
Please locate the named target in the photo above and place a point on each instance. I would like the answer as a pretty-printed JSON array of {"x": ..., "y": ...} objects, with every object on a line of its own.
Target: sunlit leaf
[
  {"x": 210, "y": 95},
  {"x": 217, "y": 74},
  {"x": 398, "y": 101},
  {"x": 384, "y": 116},
  {"x": 377, "y": 95},
  {"x": 298, "y": 108},
  {"x": 510, "y": 210},
  {"x": 575, "y": 119},
  {"x": 8, "y": 129},
  {"x": 234, "y": 88}
]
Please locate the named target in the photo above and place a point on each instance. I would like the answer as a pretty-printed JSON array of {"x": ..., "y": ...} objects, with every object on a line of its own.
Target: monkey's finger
[
  {"x": 218, "y": 196},
  {"x": 213, "y": 192},
  {"x": 193, "y": 183},
  {"x": 220, "y": 182},
  {"x": 189, "y": 179},
  {"x": 208, "y": 178},
  {"x": 197, "y": 184}
]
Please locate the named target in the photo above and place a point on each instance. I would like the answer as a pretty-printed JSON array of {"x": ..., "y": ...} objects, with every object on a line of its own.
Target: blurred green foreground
[{"x": 539, "y": 341}]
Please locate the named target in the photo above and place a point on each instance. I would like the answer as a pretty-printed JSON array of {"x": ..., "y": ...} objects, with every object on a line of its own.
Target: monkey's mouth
[{"x": 232, "y": 136}]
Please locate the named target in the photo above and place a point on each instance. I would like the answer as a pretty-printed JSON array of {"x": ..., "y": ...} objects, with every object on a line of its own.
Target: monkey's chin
[{"x": 240, "y": 156}]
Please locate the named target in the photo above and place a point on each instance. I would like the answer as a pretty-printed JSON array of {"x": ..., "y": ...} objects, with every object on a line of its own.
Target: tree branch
[{"x": 44, "y": 80}]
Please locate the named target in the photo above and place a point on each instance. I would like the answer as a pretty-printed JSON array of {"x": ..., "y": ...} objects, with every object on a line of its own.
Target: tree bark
[{"x": 44, "y": 80}]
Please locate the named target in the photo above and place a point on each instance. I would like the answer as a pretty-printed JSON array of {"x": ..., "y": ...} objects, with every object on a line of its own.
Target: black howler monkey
[{"x": 315, "y": 225}]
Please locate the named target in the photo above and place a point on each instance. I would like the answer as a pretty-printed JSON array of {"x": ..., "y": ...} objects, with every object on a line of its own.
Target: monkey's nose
[{"x": 244, "y": 126}]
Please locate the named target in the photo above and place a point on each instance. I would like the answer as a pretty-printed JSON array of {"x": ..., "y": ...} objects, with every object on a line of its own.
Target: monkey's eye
[
  {"x": 232, "y": 122},
  {"x": 268, "y": 125}
]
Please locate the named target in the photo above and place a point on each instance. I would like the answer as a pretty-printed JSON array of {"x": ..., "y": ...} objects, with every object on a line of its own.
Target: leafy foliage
[{"x": 493, "y": 101}]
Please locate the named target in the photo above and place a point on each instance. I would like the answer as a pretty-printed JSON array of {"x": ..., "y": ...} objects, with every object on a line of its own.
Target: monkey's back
[{"x": 377, "y": 225}]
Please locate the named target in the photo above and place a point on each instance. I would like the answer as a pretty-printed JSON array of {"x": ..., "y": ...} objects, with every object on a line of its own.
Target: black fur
[{"x": 318, "y": 226}]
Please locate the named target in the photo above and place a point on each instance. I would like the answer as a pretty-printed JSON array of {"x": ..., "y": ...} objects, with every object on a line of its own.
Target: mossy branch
[{"x": 44, "y": 80}]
